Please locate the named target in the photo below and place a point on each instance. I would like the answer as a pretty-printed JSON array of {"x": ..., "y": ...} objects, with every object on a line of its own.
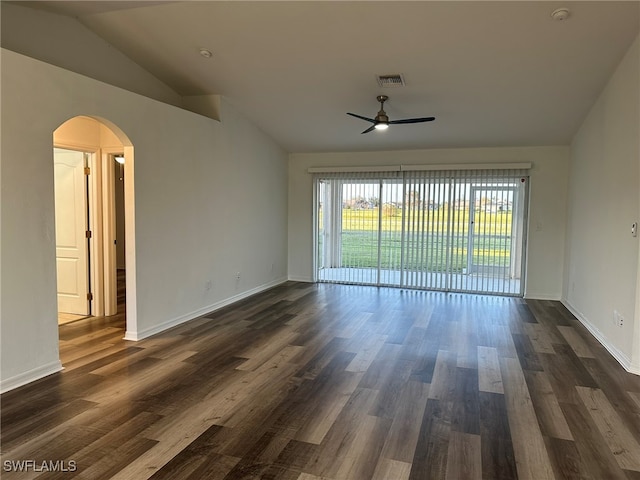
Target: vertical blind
[{"x": 450, "y": 230}]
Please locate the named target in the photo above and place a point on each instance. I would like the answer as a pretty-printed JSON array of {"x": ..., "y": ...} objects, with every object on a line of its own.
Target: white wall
[
  {"x": 210, "y": 201},
  {"x": 601, "y": 255},
  {"x": 65, "y": 42},
  {"x": 549, "y": 178}
]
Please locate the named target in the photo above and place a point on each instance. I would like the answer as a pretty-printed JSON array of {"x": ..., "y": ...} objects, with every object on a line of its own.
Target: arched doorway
[{"x": 95, "y": 236}]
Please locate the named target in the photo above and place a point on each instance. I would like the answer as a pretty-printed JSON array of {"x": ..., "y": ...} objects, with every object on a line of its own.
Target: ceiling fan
[{"x": 382, "y": 122}]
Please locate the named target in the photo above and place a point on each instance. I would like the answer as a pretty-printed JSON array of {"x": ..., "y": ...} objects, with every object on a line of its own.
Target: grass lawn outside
[{"x": 427, "y": 244}]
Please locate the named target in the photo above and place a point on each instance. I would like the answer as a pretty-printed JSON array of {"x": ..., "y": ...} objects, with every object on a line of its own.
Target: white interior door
[{"x": 71, "y": 228}]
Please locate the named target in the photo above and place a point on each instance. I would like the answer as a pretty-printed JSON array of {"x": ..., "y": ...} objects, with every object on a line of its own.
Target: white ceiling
[{"x": 492, "y": 73}]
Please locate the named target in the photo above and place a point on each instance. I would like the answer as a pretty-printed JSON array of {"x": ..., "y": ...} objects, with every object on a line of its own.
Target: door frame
[
  {"x": 471, "y": 228},
  {"x": 96, "y": 303},
  {"x": 124, "y": 145},
  {"x": 109, "y": 229},
  {"x": 503, "y": 180},
  {"x": 101, "y": 205}
]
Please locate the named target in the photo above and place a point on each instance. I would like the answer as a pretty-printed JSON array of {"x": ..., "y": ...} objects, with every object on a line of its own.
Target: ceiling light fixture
[
  {"x": 206, "y": 53},
  {"x": 381, "y": 126},
  {"x": 560, "y": 14}
]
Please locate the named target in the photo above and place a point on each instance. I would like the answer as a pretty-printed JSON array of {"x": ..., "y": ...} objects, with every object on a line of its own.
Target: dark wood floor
[{"x": 335, "y": 382}]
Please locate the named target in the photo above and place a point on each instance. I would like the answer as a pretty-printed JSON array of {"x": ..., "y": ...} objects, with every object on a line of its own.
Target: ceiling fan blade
[
  {"x": 412, "y": 120},
  {"x": 371, "y": 120},
  {"x": 372, "y": 127}
]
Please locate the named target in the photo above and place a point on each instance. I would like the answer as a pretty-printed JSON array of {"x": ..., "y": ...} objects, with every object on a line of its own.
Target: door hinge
[
  {"x": 87, "y": 234},
  {"x": 87, "y": 170},
  {"x": 89, "y": 296}
]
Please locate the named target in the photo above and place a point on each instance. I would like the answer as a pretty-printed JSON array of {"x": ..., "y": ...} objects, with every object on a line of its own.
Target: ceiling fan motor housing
[{"x": 382, "y": 117}]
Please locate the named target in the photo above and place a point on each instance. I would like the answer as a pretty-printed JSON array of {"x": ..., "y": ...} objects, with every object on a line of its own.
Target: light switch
[{"x": 634, "y": 229}]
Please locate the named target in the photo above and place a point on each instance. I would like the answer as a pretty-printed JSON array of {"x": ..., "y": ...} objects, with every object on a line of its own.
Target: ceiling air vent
[{"x": 394, "y": 80}]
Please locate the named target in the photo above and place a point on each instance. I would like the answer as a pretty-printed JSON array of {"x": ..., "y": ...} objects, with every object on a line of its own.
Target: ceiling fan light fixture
[{"x": 381, "y": 120}]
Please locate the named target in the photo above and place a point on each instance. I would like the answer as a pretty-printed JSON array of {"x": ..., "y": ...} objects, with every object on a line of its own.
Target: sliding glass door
[
  {"x": 438, "y": 230},
  {"x": 359, "y": 231}
]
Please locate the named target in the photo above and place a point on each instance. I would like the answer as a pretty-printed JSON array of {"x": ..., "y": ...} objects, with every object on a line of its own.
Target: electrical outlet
[
  {"x": 237, "y": 275},
  {"x": 620, "y": 320}
]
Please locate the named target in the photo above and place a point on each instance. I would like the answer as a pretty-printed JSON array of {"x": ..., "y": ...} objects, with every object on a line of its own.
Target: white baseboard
[
  {"x": 541, "y": 296},
  {"x": 135, "y": 336},
  {"x": 295, "y": 278},
  {"x": 30, "y": 376},
  {"x": 620, "y": 357}
]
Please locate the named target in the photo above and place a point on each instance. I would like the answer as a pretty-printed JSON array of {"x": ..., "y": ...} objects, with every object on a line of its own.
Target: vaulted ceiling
[{"x": 492, "y": 73}]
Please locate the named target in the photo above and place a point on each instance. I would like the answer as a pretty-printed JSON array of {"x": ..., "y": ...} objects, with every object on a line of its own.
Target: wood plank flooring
[{"x": 309, "y": 382}]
